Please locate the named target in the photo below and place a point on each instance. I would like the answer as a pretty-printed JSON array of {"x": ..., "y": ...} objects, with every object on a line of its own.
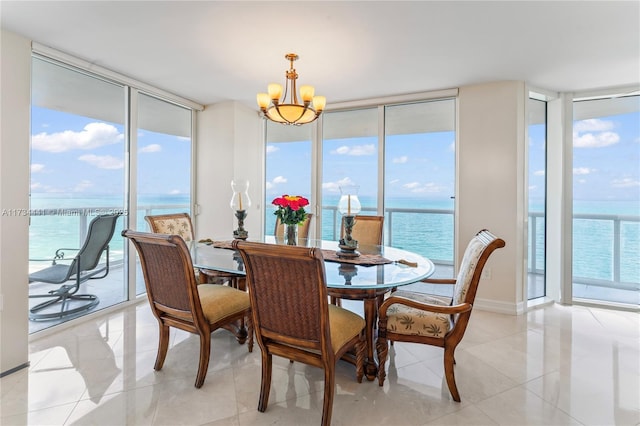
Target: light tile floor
[{"x": 555, "y": 365}]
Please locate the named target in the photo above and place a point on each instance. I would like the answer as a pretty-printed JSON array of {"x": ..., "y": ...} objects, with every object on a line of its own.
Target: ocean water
[{"x": 428, "y": 234}]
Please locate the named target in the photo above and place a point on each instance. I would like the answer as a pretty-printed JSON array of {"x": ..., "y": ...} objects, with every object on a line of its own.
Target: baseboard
[{"x": 500, "y": 307}]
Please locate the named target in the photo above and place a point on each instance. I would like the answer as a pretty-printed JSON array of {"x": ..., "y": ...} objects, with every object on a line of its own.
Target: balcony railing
[{"x": 621, "y": 250}]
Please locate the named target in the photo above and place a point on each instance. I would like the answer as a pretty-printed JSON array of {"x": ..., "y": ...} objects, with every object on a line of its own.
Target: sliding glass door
[
  {"x": 606, "y": 200},
  {"x": 163, "y": 161},
  {"x": 420, "y": 179},
  {"x": 77, "y": 172},
  {"x": 86, "y": 160},
  {"x": 537, "y": 166}
]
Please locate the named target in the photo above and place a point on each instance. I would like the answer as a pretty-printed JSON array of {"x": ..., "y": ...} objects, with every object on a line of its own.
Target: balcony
[{"x": 612, "y": 281}]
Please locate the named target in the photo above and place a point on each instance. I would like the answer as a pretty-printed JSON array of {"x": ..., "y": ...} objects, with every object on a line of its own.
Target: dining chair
[
  {"x": 303, "y": 228},
  {"x": 408, "y": 316},
  {"x": 178, "y": 301},
  {"x": 85, "y": 264},
  {"x": 182, "y": 225},
  {"x": 367, "y": 230},
  {"x": 292, "y": 317}
]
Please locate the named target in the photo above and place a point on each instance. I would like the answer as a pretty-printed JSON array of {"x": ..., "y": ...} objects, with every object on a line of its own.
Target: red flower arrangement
[{"x": 290, "y": 209}]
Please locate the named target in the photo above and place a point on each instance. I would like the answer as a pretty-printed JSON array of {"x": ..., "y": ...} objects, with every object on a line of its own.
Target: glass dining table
[{"x": 367, "y": 277}]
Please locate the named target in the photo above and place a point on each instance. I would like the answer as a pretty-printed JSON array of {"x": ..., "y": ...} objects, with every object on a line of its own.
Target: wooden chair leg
[
  {"x": 265, "y": 385},
  {"x": 163, "y": 346},
  {"x": 361, "y": 348},
  {"x": 448, "y": 373},
  {"x": 329, "y": 390},
  {"x": 203, "y": 363}
]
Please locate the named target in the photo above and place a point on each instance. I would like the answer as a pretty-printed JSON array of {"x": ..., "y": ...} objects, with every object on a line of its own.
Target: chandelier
[{"x": 277, "y": 109}]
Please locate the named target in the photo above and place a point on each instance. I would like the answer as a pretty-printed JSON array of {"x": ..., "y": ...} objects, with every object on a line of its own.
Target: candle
[
  {"x": 349, "y": 205},
  {"x": 240, "y": 200}
]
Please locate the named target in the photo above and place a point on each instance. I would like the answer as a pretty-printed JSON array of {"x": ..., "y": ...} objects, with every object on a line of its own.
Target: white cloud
[
  {"x": 154, "y": 147},
  {"x": 624, "y": 183},
  {"x": 356, "y": 150},
  {"x": 93, "y": 136},
  {"x": 275, "y": 181},
  {"x": 452, "y": 147},
  {"x": 85, "y": 184},
  {"x": 582, "y": 170},
  {"x": 102, "y": 161},
  {"x": 37, "y": 168},
  {"x": 394, "y": 181},
  {"x": 335, "y": 186},
  {"x": 272, "y": 148},
  {"x": 417, "y": 187},
  {"x": 401, "y": 160},
  {"x": 533, "y": 187},
  {"x": 592, "y": 125},
  {"x": 174, "y": 192},
  {"x": 598, "y": 140},
  {"x": 539, "y": 173}
]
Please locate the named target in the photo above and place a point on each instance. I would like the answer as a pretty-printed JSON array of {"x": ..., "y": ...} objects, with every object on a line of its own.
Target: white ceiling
[{"x": 212, "y": 51}]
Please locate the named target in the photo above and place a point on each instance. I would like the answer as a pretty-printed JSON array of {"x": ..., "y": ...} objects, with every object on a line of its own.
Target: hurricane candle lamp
[
  {"x": 349, "y": 206},
  {"x": 240, "y": 202}
]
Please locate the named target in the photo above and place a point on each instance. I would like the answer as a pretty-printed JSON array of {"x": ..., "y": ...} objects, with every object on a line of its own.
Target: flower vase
[{"x": 291, "y": 234}]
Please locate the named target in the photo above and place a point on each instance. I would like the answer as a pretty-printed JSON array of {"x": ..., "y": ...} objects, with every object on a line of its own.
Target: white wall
[
  {"x": 229, "y": 139},
  {"x": 15, "y": 98},
  {"x": 492, "y": 186}
]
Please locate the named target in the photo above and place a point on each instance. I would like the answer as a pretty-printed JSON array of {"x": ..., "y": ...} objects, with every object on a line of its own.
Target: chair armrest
[
  {"x": 455, "y": 309},
  {"x": 438, "y": 281}
]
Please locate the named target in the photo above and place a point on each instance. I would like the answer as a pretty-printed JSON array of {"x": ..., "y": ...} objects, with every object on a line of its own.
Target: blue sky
[{"x": 78, "y": 155}]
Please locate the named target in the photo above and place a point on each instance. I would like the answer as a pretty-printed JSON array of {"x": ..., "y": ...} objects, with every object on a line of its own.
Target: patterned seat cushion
[{"x": 402, "y": 319}]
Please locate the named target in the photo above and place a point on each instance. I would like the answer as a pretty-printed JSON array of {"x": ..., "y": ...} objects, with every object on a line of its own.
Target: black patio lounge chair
[{"x": 84, "y": 265}]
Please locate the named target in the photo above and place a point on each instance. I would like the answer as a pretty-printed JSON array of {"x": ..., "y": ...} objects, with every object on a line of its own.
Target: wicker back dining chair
[
  {"x": 292, "y": 317},
  {"x": 181, "y": 224},
  {"x": 178, "y": 301},
  {"x": 420, "y": 318}
]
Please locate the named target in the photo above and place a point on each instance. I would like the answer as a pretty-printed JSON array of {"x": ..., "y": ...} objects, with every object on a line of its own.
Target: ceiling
[{"x": 213, "y": 51}]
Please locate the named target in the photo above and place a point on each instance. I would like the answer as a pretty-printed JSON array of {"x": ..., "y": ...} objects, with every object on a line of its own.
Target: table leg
[{"x": 370, "y": 316}]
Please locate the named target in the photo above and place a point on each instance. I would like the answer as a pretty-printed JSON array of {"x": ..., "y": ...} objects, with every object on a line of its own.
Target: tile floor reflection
[{"x": 553, "y": 366}]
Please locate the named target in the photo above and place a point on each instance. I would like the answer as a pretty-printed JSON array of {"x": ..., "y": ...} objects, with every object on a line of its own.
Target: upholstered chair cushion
[
  {"x": 219, "y": 301},
  {"x": 402, "y": 319},
  {"x": 467, "y": 268},
  {"x": 344, "y": 326},
  {"x": 175, "y": 226}
]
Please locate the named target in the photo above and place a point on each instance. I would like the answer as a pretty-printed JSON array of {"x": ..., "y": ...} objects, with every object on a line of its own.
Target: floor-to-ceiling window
[
  {"x": 606, "y": 199},
  {"x": 349, "y": 159},
  {"x": 537, "y": 159},
  {"x": 77, "y": 172},
  {"x": 288, "y": 169},
  {"x": 163, "y": 161},
  {"x": 81, "y": 141},
  {"x": 419, "y": 179},
  {"x": 401, "y": 158}
]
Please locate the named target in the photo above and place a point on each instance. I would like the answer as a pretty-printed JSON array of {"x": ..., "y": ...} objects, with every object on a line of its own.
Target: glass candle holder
[{"x": 240, "y": 202}]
